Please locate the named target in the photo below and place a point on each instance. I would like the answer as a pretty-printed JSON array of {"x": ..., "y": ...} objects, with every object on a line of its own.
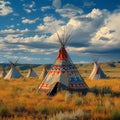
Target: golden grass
[
  {"x": 20, "y": 98},
  {"x": 114, "y": 84}
]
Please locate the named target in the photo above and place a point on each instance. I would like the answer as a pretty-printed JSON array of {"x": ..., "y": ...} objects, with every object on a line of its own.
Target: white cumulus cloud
[
  {"x": 69, "y": 11},
  {"x": 5, "y": 9},
  {"x": 29, "y": 21},
  {"x": 50, "y": 24},
  {"x": 44, "y": 8},
  {"x": 29, "y": 7}
]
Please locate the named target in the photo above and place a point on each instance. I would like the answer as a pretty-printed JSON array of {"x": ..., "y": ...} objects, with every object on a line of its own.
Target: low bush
[{"x": 4, "y": 112}]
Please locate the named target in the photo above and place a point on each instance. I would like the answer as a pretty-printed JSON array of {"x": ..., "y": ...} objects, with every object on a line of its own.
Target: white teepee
[
  {"x": 97, "y": 73},
  {"x": 63, "y": 74},
  {"x": 13, "y": 72},
  {"x": 3, "y": 73},
  {"x": 31, "y": 73},
  {"x": 43, "y": 73}
]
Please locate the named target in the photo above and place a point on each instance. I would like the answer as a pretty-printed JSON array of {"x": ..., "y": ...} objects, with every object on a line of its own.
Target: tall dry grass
[{"x": 19, "y": 100}]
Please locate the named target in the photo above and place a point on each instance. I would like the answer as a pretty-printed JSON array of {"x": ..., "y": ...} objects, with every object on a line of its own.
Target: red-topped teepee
[{"x": 63, "y": 74}]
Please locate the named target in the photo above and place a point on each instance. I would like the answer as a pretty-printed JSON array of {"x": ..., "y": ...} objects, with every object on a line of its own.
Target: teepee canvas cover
[
  {"x": 13, "y": 72},
  {"x": 3, "y": 73},
  {"x": 97, "y": 72},
  {"x": 43, "y": 73},
  {"x": 63, "y": 74},
  {"x": 31, "y": 73}
]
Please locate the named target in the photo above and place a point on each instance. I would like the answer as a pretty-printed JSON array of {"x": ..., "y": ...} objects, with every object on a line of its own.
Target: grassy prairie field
[{"x": 20, "y": 100}]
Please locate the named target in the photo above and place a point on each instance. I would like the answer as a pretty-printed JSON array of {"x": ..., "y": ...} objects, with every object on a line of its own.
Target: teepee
[
  {"x": 97, "y": 73},
  {"x": 63, "y": 74},
  {"x": 3, "y": 73},
  {"x": 43, "y": 73},
  {"x": 31, "y": 73},
  {"x": 13, "y": 72}
]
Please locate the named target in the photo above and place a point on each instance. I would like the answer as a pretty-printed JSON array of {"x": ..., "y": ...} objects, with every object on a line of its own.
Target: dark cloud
[
  {"x": 111, "y": 31},
  {"x": 78, "y": 45},
  {"x": 103, "y": 38},
  {"x": 39, "y": 45}
]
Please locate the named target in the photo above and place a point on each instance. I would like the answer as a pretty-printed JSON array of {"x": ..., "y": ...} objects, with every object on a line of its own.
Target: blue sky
[{"x": 28, "y": 30}]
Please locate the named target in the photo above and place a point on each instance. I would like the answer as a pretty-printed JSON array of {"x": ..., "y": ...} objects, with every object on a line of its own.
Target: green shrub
[
  {"x": 42, "y": 110},
  {"x": 17, "y": 89},
  {"x": 4, "y": 112},
  {"x": 115, "y": 115},
  {"x": 20, "y": 108},
  {"x": 78, "y": 102}
]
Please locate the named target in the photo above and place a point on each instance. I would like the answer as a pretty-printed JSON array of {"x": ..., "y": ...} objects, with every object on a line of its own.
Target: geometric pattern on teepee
[
  {"x": 31, "y": 73},
  {"x": 13, "y": 72},
  {"x": 63, "y": 75},
  {"x": 97, "y": 73}
]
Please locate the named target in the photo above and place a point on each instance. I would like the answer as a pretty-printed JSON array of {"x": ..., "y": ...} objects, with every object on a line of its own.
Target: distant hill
[
  {"x": 20, "y": 66},
  {"x": 112, "y": 69}
]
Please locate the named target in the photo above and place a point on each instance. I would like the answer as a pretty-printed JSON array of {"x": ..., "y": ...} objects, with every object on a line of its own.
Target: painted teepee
[
  {"x": 3, "y": 73},
  {"x": 13, "y": 72},
  {"x": 97, "y": 72},
  {"x": 43, "y": 73},
  {"x": 31, "y": 73},
  {"x": 63, "y": 74}
]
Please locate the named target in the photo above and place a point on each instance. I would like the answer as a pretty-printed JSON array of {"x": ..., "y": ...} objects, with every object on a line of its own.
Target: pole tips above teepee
[
  {"x": 64, "y": 35},
  {"x": 13, "y": 72}
]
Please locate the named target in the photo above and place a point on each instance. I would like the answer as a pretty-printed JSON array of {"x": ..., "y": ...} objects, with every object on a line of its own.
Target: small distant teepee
[
  {"x": 63, "y": 74},
  {"x": 3, "y": 73},
  {"x": 97, "y": 73},
  {"x": 13, "y": 72},
  {"x": 31, "y": 73},
  {"x": 43, "y": 73}
]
